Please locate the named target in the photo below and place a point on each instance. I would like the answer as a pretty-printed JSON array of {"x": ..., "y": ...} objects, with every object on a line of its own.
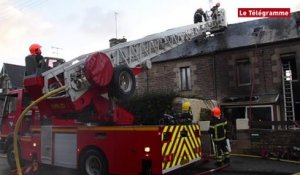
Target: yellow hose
[
  {"x": 15, "y": 138},
  {"x": 253, "y": 156}
]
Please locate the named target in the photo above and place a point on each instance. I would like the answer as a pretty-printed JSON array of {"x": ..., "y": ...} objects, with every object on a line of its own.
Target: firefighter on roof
[
  {"x": 199, "y": 16},
  {"x": 214, "y": 11},
  {"x": 218, "y": 131},
  {"x": 35, "y": 60}
]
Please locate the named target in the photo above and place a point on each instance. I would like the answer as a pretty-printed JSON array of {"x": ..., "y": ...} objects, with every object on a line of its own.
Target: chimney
[{"x": 115, "y": 41}]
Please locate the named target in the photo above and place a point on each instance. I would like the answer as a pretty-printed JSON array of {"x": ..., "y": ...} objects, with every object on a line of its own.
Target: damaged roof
[{"x": 262, "y": 31}]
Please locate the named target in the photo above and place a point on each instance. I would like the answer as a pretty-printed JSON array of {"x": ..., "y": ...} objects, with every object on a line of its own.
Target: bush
[
  {"x": 205, "y": 114},
  {"x": 150, "y": 107}
]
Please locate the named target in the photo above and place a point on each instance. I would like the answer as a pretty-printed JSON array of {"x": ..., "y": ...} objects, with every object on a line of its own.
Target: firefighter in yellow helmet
[
  {"x": 218, "y": 132},
  {"x": 35, "y": 60},
  {"x": 186, "y": 116}
]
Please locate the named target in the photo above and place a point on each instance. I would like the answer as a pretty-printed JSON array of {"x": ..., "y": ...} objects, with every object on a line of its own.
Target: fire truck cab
[{"x": 13, "y": 103}]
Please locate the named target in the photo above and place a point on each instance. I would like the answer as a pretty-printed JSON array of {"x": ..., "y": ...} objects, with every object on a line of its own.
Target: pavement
[
  {"x": 238, "y": 166},
  {"x": 244, "y": 166},
  {"x": 43, "y": 170}
]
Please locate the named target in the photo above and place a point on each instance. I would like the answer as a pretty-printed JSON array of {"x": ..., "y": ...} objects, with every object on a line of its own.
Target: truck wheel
[
  {"x": 92, "y": 162},
  {"x": 123, "y": 83},
  {"x": 11, "y": 157}
]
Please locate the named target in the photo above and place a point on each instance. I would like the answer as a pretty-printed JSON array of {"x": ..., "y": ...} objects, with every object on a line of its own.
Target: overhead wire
[{"x": 7, "y": 13}]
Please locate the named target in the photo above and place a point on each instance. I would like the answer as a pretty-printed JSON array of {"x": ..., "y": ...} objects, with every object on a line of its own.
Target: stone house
[{"x": 251, "y": 69}]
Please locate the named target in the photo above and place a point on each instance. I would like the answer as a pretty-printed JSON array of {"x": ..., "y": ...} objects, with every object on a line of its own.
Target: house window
[
  {"x": 260, "y": 117},
  {"x": 289, "y": 60},
  {"x": 185, "y": 78},
  {"x": 243, "y": 72}
]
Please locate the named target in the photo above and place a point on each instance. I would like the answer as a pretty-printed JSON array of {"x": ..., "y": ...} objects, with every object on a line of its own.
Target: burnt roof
[
  {"x": 15, "y": 73},
  {"x": 245, "y": 34}
]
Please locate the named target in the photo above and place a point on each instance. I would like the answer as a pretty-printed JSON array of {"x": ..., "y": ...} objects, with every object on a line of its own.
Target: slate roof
[
  {"x": 15, "y": 74},
  {"x": 239, "y": 35}
]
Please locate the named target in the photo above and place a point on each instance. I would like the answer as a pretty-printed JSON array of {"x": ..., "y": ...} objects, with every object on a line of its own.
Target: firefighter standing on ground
[
  {"x": 35, "y": 60},
  {"x": 186, "y": 115},
  {"x": 218, "y": 131}
]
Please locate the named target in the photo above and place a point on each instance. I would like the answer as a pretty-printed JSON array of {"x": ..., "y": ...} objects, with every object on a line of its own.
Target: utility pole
[
  {"x": 116, "y": 21},
  {"x": 56, "y": 50}
]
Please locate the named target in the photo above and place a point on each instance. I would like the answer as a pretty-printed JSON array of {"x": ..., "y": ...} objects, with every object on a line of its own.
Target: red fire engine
[{"x": 84, "y": 126}]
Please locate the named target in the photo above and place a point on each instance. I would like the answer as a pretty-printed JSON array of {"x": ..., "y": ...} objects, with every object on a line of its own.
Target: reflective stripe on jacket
[{"x": 218, "y": 128}]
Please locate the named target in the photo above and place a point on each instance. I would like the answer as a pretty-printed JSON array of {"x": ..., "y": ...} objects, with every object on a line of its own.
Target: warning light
[{"x": 147, "y": 149}]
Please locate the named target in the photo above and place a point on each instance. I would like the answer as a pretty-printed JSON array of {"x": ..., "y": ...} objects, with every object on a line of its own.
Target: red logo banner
[{"x": 264, "y": 12}]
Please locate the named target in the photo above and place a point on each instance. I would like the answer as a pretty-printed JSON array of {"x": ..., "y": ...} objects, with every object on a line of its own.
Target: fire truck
[{"x": 83, "y": 126}]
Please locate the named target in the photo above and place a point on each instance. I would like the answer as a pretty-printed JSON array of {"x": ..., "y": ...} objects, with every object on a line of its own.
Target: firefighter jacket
[
  {"x": 218, "y": 129},
  {"x": 199, "y": 16},
  {"x": 32, "y": 63},
  {"x": 214, "y": 11}
]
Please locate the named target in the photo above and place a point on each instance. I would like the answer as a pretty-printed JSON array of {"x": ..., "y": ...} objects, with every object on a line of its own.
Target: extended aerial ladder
[
  {"x": 140, "y": 51},
  {"x": 70, "y": 122},
  {"x": 89, "y": 75}
]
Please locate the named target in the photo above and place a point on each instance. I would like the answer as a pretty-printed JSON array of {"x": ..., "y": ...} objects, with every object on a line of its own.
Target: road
[
  {"x": 246, "y": 166},
  {"x": 43, "y": 170},
  {"x": 238, "y": 166}
]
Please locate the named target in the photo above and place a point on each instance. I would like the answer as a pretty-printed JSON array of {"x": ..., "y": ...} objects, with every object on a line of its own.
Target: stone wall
[
  {"x": 254, "y": 141},
  {"x": 214, "y": 76}
]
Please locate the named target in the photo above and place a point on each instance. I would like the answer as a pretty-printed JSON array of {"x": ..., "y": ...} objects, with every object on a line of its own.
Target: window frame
[
  {"x": 186, "y": 83},
  {"x": 239, "y": 62},
  {"x": 291, "y": 57}
]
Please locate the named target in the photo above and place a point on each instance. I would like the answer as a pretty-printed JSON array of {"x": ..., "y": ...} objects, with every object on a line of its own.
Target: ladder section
[
  {"x": 137, "y": 52},
  {"x": 287, "y": 87}
]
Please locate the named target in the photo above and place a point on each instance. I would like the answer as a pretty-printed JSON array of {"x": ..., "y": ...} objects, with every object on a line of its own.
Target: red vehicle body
[
  {"x": 104, "y": 142},
  {"x": 85, "y": 127}
]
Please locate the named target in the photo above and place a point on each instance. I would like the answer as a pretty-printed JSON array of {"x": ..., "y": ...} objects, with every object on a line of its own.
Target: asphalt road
[
  {"x": 245, "y": 166},
  {"x": 238, "y": 166},
  {"x": 43, "y": 170}
]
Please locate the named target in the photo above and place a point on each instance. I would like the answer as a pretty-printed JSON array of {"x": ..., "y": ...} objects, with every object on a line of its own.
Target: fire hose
[{"x": 19, "y": 121}]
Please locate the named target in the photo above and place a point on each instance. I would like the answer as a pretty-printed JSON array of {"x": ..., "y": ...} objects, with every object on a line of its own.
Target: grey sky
[{"x": 82, "y": 26}]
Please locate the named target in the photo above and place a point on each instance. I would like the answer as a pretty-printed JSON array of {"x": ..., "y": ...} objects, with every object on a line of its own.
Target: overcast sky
[{"x": 77, "y": 27}]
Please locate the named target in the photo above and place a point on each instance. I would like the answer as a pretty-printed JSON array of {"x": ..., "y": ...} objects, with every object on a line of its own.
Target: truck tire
[
  {"x": 123, "y": 83},
  {"x": 11, "y": 157},
  {"x": 92, "y": 162}
]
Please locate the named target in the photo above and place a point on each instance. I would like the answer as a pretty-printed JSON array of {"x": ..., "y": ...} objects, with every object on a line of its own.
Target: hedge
[{"x": 149, "y": 107}]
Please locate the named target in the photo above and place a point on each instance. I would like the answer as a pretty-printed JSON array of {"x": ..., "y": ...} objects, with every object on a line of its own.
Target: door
[{"x": 46, "y": 144}]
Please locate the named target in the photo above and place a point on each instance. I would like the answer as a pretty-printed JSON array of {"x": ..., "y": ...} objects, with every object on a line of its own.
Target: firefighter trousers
[{"x": 221, "y": 150}]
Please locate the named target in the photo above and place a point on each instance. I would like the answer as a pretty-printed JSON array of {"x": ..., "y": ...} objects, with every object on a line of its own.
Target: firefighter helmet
[
  {"x": 216, "y": 112},
  {"x": 186, "y": 106},
  {"x": 34, "y": 48}
]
